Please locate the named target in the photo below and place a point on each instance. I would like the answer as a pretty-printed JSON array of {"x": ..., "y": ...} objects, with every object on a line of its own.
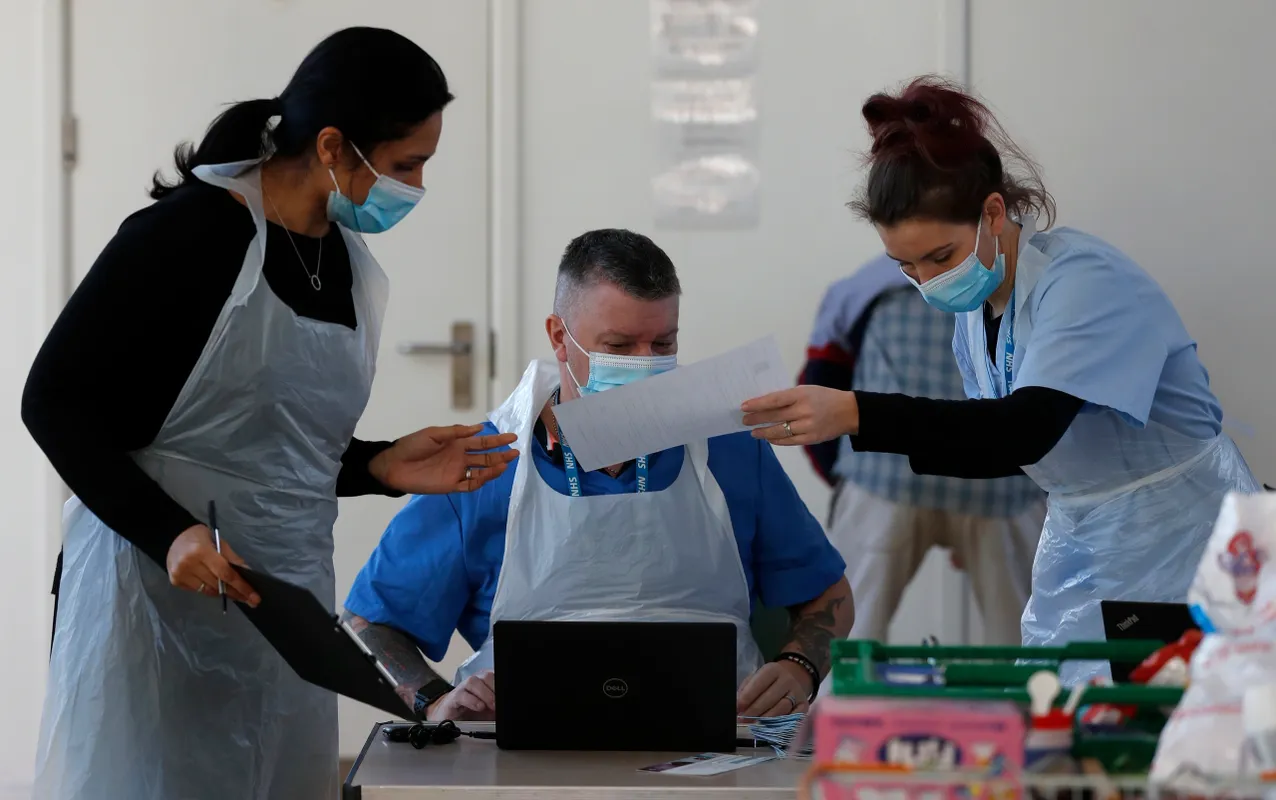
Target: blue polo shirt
[{"x": 435, "y": 569}]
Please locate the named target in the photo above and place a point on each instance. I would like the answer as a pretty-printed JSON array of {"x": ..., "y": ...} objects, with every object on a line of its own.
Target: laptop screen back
[
  {"x": 615, "y": 685},
  {"x": 1127, "y": 620}
]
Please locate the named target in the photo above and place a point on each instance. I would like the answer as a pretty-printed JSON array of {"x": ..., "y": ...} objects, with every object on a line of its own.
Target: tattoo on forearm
[
  {"x": 396, "y": 652},
  {"x": 814, "y": 631}
]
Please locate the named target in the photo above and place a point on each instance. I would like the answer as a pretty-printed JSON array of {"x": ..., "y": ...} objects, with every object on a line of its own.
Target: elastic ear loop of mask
[
  {"x": 579, "y": 386},
  {"x": 333, "y": 175}
]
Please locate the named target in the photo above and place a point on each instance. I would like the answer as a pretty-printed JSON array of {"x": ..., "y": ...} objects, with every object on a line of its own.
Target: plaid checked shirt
[{"x": 907, "y": 349}]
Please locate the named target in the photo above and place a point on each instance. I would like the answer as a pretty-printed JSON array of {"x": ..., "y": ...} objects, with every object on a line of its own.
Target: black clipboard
[{"x": 318, "y": 647}]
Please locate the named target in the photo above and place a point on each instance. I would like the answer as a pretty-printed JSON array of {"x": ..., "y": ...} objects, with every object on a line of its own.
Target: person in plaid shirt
[{"x": 875, "y": 333}]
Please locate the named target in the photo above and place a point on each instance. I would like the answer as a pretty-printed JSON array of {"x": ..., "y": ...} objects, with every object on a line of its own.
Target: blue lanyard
[
  {"x": 573, "y": 472},
  {"x": 1008, "y": 364}
]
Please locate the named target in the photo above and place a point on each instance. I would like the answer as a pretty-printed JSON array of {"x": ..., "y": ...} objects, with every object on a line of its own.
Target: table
[{"x": 475, "y": 769}]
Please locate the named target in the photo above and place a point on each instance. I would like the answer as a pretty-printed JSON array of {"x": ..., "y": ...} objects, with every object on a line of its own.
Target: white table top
[{"x": 470, "y": 769}]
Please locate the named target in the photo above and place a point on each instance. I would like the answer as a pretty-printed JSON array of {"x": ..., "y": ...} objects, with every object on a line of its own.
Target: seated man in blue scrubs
[{"x": 696, "y": 533}]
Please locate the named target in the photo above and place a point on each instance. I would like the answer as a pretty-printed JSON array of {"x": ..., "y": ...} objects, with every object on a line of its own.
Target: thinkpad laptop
[
  {"x": 615, "y": 686},
  {"x": 1124, "y": 620}
]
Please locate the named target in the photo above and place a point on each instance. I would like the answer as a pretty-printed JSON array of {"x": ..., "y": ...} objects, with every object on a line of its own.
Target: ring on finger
[
  {"x": 792, "y": 700},
  {"x": 469, "y": 473},
  {"x": 788, "y": 429},
  {"x": 202, "y": 585}
]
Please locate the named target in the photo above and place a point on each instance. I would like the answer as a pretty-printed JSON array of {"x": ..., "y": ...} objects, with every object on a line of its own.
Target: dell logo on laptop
[{"x": 615, "y": 688}]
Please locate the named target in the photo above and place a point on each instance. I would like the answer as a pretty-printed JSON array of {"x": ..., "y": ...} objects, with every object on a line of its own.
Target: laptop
[
  {"x": 1127, "y": 620},
  {"x": 318, "y": 647},
  {"x": 659, "y": 686}
]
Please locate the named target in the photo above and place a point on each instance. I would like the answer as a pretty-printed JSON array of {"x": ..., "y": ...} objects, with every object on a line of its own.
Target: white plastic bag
[
  {"x": 1224, "y": 594},
  {"x": 1233, "y": 596},
  {"x": 1204, "y": 735}
]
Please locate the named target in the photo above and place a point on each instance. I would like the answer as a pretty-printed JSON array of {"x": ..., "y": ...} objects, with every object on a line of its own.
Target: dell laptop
[
  {"x": 1124, "y": 620},
  {"x": 660, "y": 686}
]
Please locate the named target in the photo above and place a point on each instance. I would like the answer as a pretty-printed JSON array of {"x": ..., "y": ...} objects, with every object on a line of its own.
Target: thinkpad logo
[
  {"x": 1127, "y": 622},
  {"x": 615, "y": 688}
]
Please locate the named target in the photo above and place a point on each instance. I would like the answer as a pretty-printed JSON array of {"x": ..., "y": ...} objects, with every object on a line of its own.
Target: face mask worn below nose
[
  {"x": 966, "y": 286},
  {"x": 607, "y": 371},
  {"x": 388, "y": 202}
]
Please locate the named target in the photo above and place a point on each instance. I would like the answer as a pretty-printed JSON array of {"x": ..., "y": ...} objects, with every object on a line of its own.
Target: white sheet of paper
[
  {"x": 707, "y": 763},
  {"x": 698, "y": 401}
]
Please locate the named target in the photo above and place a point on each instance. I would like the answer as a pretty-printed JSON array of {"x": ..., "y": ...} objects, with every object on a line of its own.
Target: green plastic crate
[
  {"x": 991, "y": 673},
  {"x": 998, "y": 673},
  {"x": 1129, "y": 753}
]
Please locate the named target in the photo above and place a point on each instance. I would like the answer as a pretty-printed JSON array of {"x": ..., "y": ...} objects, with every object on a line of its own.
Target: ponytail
[
  {"x": 371, "y": 84},
  {"x": 238, "y": 134}
]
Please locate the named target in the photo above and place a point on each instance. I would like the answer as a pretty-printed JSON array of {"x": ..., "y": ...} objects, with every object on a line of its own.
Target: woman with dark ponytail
[
  {"x": 1080, "y": 370},
  {"x": 221, "y": 350}
]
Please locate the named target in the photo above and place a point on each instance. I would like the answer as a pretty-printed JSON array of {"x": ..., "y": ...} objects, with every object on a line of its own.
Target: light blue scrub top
[
  {"x": 1135, "y": 483},
  {"x": 436, "y": 567},
  {"x": 1103, "y": 331}
]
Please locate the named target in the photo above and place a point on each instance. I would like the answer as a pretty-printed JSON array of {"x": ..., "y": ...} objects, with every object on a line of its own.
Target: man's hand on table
[
  {"x": 786, "y": 685},
  {"x": 473, "y": 701},
  {"x": 779, "y": 688}
]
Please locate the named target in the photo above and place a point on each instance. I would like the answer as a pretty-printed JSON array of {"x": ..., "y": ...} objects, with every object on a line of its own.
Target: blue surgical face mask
[
  {"x": 388, "y": 202},
  {"x": 966, "y": 286},
  {"x": 607, "y": 371}
]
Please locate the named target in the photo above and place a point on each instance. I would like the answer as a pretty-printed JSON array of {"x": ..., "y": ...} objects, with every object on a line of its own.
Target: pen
[{"x": 217, "y": 542}]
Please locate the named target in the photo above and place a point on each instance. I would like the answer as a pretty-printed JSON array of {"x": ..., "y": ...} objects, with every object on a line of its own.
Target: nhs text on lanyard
[
  {"x": 1008, "y": 364},
  {"x": 573, "y": 472}
]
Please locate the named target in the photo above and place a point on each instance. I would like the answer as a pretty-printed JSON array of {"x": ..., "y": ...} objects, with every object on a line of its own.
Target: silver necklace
[{"x": 315, "y": 283}]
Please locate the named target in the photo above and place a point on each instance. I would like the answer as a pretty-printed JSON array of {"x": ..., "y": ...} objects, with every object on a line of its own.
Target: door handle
[{"x": 461, "y": 350}]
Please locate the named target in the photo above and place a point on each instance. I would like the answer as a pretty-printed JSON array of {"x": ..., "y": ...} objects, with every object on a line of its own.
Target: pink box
[{"x": 923, "y": 735}]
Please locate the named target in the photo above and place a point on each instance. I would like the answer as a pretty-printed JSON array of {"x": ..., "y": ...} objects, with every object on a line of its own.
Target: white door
[
  {"x": 588, "y": 159},
  {"x": 150, "y": 73}
]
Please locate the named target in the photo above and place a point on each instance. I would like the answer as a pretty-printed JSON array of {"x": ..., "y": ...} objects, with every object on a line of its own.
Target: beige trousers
[{"x": 884, "y": 544}]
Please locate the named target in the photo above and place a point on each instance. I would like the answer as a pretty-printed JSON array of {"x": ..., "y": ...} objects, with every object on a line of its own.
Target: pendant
[{"x": 314, "y": 282}]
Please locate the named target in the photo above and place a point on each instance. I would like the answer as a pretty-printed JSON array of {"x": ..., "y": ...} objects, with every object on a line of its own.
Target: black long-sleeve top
[
  {"x": 122, "y": 349},
  {"x": 967, "y": 438}
]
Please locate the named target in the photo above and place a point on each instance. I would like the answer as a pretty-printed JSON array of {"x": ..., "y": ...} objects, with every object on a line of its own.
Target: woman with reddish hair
[{"x": 1080, "y": 371}]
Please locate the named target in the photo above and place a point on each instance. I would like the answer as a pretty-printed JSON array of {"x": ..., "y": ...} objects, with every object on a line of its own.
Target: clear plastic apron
[
  {"x": 667, "y": 556},
  {"x": 153, "y": 693},
  {"x": 1129, "y": 510}
]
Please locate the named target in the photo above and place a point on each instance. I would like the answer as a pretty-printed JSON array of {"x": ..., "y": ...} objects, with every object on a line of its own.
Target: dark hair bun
[
  {"x": 939, "y": 152},
  {"x": 930, "y": 118}
]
